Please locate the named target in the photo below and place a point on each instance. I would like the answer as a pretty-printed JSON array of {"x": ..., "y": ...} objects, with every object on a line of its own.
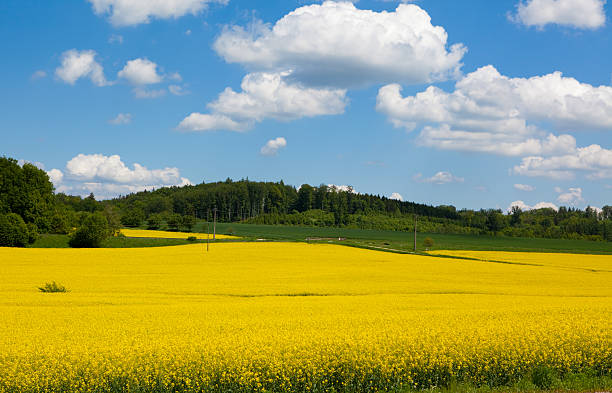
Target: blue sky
[{"x": 371, "y": 95}]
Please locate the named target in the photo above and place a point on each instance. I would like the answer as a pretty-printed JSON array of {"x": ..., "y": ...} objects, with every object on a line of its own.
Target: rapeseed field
[
  {"x": 171, "y": 235},
  {"x": 249, "y": 317}
]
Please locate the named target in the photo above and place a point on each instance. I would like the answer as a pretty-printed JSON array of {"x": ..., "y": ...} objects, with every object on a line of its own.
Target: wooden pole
[{"x": 415, "y": 231}]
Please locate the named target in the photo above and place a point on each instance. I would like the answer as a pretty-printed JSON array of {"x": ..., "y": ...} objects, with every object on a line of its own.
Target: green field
[
  {"x": 61, "y": 241},
  {"x": 404, "y": 241},
  {"x": 382, "y": 240}
]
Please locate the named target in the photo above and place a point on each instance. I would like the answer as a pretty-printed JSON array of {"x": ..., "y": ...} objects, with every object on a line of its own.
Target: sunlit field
[
  {"x": 171, "y": 235},
  {"x": 295, "y": 317}
]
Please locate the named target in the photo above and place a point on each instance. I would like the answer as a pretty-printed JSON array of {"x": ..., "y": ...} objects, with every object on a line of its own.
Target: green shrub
[
  {"x": 428, "y": 242},
  {"x": 52, "y": 287},
  {"x": 32, "y": 232},
  {"x": 13, "y": 231},
  {"x": 154, "y": 221},
  {"x": 543, "y": 377},
  {"x": 91, "y": 233},
  {"x": 192, "y": 238}
]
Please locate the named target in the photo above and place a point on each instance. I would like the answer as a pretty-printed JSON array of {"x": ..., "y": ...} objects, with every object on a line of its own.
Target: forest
[{"x": 29, "y": 205}]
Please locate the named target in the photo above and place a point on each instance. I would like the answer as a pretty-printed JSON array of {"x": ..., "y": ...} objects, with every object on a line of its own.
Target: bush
[
  {"x": 91, "y": 233},
  {"x": 428, "y": 242},
  {"x": 174, "y": 221},
  {"x": 32, "y": 232},
  {"x": 543, "y": 377},
  {"x": 13, "y": 231},
  {"x": 154, "y": 221},
  {"x": 189, "y": 222},
  {"x": 52, "y": 287},
  {"x": 133, "y": 218},
  {"x": 192, "y": 238}
]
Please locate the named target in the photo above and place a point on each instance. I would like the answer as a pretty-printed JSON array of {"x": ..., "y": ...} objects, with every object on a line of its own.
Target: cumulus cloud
[
  {"x": 336, "y": 44},
  {"x": 272, "y": 146},
  {"x": 491, "y": 113},
  {"x": 81, "y": 64},
  {"x": 397, "y": 196},
  {"x": 134, "y": 12},
  {"x": 594, "y": 161},
  {"x": 524, "y": 207},
  {"x": 265, "y": 96},
  {"x": 524, "y": 187},
  {"x": 121, "y": 118},
  {"x": 572, "y": 197},
  {"x": 108, "y": 176},
  {"x": 336, "y": 188},
  {"x": 581, "y": 14},
  {"x": 140, "y": 72},
  {"x": 439, "y": 178},
  {"x": 56, "y": 176}
]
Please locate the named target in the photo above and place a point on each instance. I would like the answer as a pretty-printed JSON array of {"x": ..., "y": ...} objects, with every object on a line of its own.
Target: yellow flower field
[
  {"x": 293, "y": 317},
  {"x": 171, "y": 235}
]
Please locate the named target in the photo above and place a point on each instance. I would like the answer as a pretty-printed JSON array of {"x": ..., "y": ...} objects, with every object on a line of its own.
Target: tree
[
  {"x": 428, "y": 242},
  {"x": 13, "y": 231},
  {"x": 92, "y": 232},
  {"x": 305, "y": 198},
  {"x": 26, "y": 191},
  {"x": 133, "y": 217},
  {"x": 189, "y": 222},
  {"x": 495, "y": 221},
  {"x": 174, "y": 221},
  {"x": 154, "y": 221},
  {"x": 515, "y": 218}
]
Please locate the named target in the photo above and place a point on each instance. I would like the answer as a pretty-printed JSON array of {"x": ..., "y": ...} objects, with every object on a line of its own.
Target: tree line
[{"x": 29, "y": 206}]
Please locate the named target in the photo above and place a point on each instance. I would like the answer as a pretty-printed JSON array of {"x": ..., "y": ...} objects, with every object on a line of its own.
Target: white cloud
[
  {"x": 397, "y": 196},
  {"x": 491, "y": 113},
  {"x": 108, "y": 176},
  {"x": 175, "y": 76},
  {"x": 81, "y": 64},
  {"x": 497, "y": 114},
  {"x": 571, "y": 197},
  {"x": 38, "y": 75},
  {"x": 177, "y": 90},
  {"x": 336, "y": 188},
  {"x": 336, "y": 44},
  {"x": 582, "y": 14},
  {"x": 134, "y": 12},
  {"x": 56, "y": 176},
  {"x": 439, "y": 178},
  {"x": 524, "y": 207},
  {"x": 272, "y": 146},
  {"x": 115, "y": 39},
  {"x": 265, "y": 96},
  {"x": 140, "y": 72},
  {"x": 524, "y": 187},
  {"x": 593, "y": 160},
  {"x": 140, "y": 92},
  {"x": 121, "y": 118},
  {"x": 204, "y": 122}
]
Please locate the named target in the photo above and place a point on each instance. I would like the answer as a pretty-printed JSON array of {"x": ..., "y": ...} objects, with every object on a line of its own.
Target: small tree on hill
[
  {"x": 92, "y": 232},
  {"x": 174, "y": 221},
  {"x": 13, "y": 231},
  {"x": 189, "y": 222}
]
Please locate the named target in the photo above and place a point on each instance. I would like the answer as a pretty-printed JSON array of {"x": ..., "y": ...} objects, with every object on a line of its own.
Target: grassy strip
[{"x": 404, "y": 241}]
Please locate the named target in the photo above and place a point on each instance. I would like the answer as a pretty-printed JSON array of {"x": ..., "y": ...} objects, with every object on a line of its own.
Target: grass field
[
  {"x": 296, "y": 317},
  {"x": 61, "y": 241},
  {"x": 405, "y": 241}
]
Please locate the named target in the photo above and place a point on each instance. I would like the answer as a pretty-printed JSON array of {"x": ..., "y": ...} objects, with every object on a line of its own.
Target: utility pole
[
  {"x": 215, "y": 224},
  {"x": 415, "y": 231},
  {"x": 207, "y": 230}
]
